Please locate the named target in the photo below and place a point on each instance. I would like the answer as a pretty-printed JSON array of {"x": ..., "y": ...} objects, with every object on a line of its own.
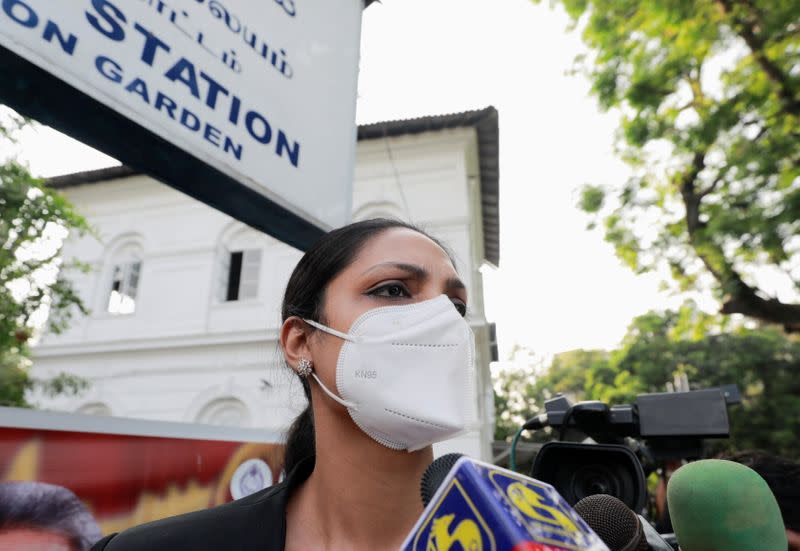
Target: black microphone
[
  {"x": 618, "y": 526},
  {"x": 434, "y": 475}
]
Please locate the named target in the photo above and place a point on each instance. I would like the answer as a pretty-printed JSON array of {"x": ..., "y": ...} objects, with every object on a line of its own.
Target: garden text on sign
[{"x": 261, "y": 93}]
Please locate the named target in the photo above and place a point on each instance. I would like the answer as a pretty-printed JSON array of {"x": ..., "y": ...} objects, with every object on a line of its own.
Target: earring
[{"x": 304, "y": 367}]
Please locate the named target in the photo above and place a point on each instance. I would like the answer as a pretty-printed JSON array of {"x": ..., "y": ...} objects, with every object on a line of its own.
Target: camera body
[
  {"x": 579, "y": 470},
  {"x": 629, "y": 441}
]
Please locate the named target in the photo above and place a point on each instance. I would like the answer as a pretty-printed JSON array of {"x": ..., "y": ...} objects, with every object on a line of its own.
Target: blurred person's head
[
  {"x": 783, "y": 478},
  {"x": 35, "y": 516}
]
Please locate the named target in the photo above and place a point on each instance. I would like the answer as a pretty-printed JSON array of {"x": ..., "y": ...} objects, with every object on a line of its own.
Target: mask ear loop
[
  {"x": 330, "y": 331},
  {"x": 343, "y": 336},
  {"x": 333, "y": 396}
]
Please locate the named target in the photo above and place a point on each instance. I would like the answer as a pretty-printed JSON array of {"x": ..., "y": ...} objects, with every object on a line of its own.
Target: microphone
[
  {"x": 618, "y": 526},
  {"x": 481, "y": 507},
  {"x": 720, "y": 505},
  {"x": 435, "y": 474}
]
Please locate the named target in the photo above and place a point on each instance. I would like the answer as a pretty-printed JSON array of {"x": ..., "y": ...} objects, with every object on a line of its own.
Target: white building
[{"x": 186, "y": 300}]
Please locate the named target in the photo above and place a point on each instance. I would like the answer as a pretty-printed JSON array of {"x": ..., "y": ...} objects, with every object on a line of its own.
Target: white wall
[{"x": 184, "y": 355}]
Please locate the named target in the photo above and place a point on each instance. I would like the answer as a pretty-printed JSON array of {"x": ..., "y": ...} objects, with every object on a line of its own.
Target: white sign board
[{"x": 262, "y": 90}]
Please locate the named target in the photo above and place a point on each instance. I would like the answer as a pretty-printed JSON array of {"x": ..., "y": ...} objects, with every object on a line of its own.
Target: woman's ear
[{"x": 294, "y": 341}]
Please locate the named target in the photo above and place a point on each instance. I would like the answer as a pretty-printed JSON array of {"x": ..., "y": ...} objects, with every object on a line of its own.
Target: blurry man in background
[{"x": 35, "y": 516}]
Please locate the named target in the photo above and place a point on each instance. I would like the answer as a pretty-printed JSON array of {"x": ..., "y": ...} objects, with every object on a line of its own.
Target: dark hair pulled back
[{"x": 305, "y": 296}]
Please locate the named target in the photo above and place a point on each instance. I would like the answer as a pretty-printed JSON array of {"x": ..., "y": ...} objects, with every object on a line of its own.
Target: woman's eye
[{"x": 393, "y": 290}]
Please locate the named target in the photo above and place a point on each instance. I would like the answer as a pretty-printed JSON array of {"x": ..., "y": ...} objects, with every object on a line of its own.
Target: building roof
[
  {"x": 485, "y": 123},
  {"x": 483, "y": 120}
]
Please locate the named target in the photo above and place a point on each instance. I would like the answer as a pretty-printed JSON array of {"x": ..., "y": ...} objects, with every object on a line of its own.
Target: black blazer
[{"x": 255, "y": 522}]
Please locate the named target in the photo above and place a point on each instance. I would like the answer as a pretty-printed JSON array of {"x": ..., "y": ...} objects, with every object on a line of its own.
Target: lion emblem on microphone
[{"x": 466, "y": 533}]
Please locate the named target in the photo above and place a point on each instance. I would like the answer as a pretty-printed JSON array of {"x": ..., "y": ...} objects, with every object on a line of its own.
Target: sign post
[{"x": 246, "y": 106}]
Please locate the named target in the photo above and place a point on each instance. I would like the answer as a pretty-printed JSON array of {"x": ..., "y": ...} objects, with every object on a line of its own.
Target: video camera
[{"x": 628, "y": 441}]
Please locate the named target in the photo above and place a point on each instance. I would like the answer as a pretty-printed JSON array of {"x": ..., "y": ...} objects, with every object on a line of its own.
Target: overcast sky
[{"x": 558, "y": 287}]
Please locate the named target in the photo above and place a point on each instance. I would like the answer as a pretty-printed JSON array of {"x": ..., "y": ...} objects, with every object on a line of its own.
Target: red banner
[{"x": 120, "y": 479}]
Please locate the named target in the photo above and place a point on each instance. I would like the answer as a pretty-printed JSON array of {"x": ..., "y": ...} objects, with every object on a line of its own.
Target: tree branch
[
  {"x": 710, "y": 189},
  {"x": 740, "y": 297},
  {"x": 747, "y": 30}
]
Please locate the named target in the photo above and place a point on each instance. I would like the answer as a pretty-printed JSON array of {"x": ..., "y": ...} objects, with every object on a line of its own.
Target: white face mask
[{"x": 405, "y": 373}]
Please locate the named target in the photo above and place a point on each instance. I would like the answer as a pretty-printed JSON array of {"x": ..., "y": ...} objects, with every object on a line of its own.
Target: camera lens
[
  {"x": 600, "y": 478},
  {"x": 594, "y": 479}
]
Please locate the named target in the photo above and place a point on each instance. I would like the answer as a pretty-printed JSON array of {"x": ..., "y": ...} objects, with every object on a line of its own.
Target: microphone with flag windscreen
[
  {"x": 477, "y": 506},
  {"x": 718, "y": 505}
]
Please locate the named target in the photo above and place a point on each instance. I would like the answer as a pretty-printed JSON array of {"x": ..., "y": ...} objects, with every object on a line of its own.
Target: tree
[
  {"x": 33, "y": 222},
  {"x": 709, "y": 92},
  {"x": 763, "y": 362},
  {"x": 512, "y": 388}
]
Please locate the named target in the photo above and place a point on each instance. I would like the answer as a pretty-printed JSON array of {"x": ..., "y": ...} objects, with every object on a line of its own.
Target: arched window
[
  {"x": 125, "y": 267},
  {"x": 227, "y": 412}
]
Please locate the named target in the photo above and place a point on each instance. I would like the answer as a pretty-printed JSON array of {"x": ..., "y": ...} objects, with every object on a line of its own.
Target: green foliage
[
  {"x": 763, "y": 362},
  {"x": 592, "y": 198},
  {"x": 512, "y": 390},
  {"x": 33, "y": 222},
  {"x": 709, "y": 97}
]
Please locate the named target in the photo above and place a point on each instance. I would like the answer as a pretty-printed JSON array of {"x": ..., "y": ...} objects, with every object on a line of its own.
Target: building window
[
  {"x": 124, "y": 283},
  {"x": 242, "y": 268},
  {"x": 494, "y": 356}
]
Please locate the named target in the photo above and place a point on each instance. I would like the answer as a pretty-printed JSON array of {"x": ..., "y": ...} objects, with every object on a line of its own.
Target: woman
[{"x": 373, "y": 324}]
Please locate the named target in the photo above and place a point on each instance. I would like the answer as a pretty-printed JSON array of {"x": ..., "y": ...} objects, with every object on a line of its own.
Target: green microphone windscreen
[{"x": 718, "y": 505}]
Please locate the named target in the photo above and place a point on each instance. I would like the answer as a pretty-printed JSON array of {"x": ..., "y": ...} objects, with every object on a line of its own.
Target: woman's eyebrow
[
  {"x": 418, "y": 271},
  {"x": 454, "y": 283}
]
